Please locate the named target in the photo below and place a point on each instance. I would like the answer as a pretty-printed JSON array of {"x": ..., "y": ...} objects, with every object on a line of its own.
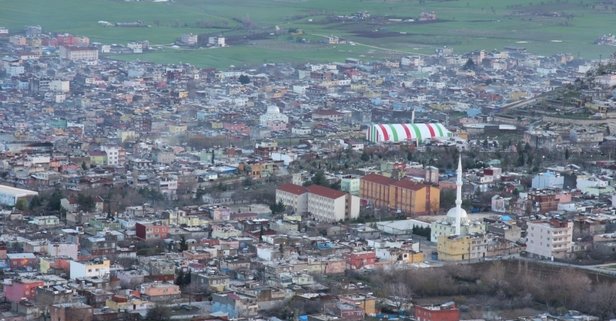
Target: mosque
[{"x": 457, "y": 222}]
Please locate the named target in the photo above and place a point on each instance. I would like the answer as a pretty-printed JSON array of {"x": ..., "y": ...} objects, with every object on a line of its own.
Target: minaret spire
[{"x": 458, "y": 196}]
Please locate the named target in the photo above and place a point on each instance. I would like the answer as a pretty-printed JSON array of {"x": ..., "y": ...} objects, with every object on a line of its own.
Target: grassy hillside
[{"x": 544, "y": 27}]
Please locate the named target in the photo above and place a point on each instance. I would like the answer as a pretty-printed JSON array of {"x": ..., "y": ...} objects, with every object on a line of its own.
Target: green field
[{"x": 464, "y": 25}]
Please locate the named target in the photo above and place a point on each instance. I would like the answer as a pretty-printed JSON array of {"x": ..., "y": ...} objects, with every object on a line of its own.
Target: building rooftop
[{"x": 325, "y": 191}]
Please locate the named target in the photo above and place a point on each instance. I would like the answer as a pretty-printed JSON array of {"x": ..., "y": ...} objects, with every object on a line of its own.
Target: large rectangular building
[
  {"x": 323, "y": 203},
  {"x": 404, "y": 195},
  {"x": 10, "y": 195},
  {"x": 79, "y": 53}
]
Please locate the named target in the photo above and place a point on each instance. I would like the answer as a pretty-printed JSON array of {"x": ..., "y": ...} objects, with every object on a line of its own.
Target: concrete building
[
  {"x": 293, "y": 196},
  {"x": 97, "y": 268},
  {"x": 79, "y": 53},
  {"x": 330, "y": 205},
  {"x": 350, "y": 184},
  {"x": 9, "y": 196},
  {"x": 153, "y": 230},
  {"x": 550, "y": 239},
  {"x": 157, "y": 291},
  {"x": 444, "y": 312},
  {"x": 404, "y": 195},
  {"x": 548, "y": 180}
]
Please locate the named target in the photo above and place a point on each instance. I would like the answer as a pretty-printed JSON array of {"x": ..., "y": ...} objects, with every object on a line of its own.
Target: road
[{"x": 375, "y": 47}]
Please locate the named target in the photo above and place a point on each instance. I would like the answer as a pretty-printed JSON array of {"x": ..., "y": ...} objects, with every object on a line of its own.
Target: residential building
[
  {"x": 152, "y": 230},
  {"x": 444, "y": 312},
  {"x": 16, "y": 290},
  {"x": 99, "y": 268},
  {"x": 213, "y": 282},
  {"x": 550, "y": 239},
  {"x": 157, "y": 291},
  {"x": 350, "y": 184},
  {"x": 71, "y": 312}
]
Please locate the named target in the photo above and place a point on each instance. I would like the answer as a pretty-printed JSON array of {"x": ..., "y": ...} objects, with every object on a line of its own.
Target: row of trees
[{"x": 509, "y": 285}]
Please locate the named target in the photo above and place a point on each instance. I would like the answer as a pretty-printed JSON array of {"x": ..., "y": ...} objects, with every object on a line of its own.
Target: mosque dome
[
  {"x": 273, "y": 109},
  {"x": 457, "y": 212}
]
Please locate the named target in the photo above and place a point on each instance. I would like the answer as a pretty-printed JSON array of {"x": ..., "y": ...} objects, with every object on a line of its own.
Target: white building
[
  {"x": 293, "y": 196},
  {"x": 323, "y": 203},
  {"x": 274, "y": 119},
  {"x": 63, "y": 250},
  {"x": 63, "y": 86},
  {"x": 96, "y": 268},
  {"x": 115, "y": 155},
  {"x": 330, "y": 205},
  {"x": 550, "y": 239},
  {"x": 457, "y": 222},
  {"x": 10, "y": 195},
  {"x": 79, "y": 53},
  {"x": 189, "y": 39},
  {"x": 548, "y": 180}
]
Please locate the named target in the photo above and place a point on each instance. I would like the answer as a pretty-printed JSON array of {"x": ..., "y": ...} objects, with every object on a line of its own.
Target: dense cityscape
[{"x": 431, "y": 187}]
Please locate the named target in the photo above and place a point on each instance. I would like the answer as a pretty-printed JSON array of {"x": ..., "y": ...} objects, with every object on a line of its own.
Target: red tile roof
[
  {"x": 292, "y": 188},
  {"x": 325, "y": 191},
  {"x": 409, "y": 185},
  {"x": 379, "y": 179}
]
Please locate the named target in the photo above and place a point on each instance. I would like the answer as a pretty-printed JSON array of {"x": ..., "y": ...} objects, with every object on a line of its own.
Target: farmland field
[{"x": 257, "y": 29}]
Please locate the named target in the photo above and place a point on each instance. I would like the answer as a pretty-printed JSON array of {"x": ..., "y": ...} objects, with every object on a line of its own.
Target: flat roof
[{"x": 17, "y": 192}]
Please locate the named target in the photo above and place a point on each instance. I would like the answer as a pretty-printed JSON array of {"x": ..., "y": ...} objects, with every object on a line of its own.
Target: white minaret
[
  {"x": 413, "y": 116},
  {"x": 459, "y": 209}
]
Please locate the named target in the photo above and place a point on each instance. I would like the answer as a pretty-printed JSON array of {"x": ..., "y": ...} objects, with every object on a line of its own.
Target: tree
[
  {"x": 320, "y": 179},
  {"x": 364, "y": 157},
  {"x": 469, "y": 65},
  {"x": 183, "y": 244},
  {"x": 55, "y": 199},
  {"x": 21, "y": 204},
  {"x": 158, "y": 313},
  {"x": 86, "y": 202},
  {"x": 277, "y": 208},
  {"x": 35, "y": 202},
  {"x": 244, "y": 80}
]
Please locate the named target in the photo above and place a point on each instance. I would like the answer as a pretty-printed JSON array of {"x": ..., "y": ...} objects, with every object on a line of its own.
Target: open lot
[{"x": 545, "y": 27}]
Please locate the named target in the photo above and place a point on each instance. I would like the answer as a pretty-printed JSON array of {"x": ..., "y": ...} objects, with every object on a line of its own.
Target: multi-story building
[
  {"x": 444, "y": 312},
  {"x": 375, "y": 189},
  {"x": 99, "y": 268},
  {"x": 414, "y": 198},
  {"x": 453, "y": 248},
  {"x": 116, "y": 156},
  {"x": 550, "y": 239},
  {"x": 543, "y": 201},
  {"x": 213, "y": 282},
  {"x": 79, "y": 53},
  {"x": 403, "y": 195},
  {"x": 19, "y": 289},
  {"x": 350, "y": 184},
  {"x": 157, "y": 291},
  {"x": 152, "y": 230},
  {"x": 330, "y": 205},
  {"x": 293, "y": 196}
]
